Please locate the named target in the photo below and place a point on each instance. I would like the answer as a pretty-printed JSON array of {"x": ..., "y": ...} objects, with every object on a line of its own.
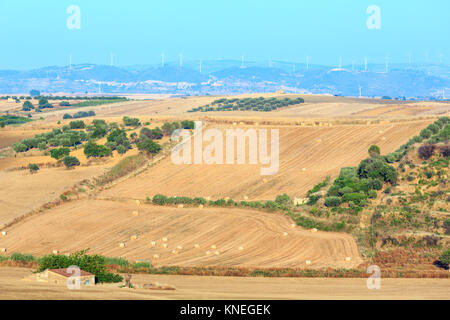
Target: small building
[{"x": 60, "y": 276}]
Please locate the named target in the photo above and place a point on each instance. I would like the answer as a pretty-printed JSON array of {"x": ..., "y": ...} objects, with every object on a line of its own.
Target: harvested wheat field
[
  {"x": 307, "y": 155},
  {"x": 14, "y": 285},
  {"x": 181, "y": 236}
]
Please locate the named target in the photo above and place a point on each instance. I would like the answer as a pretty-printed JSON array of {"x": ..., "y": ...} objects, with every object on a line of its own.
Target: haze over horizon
[{"x": 36, "y": 34}]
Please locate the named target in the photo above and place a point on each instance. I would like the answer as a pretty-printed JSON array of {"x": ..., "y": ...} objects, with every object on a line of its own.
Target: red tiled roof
[{"x": 63, "y": 272}]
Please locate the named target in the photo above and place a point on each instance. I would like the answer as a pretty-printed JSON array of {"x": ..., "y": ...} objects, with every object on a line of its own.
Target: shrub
[
  {"x": 187, "y": 124},
  {"x": 70, "y": 161},
  {"x": 332, "y": 201},
  {"x": 64, "y": 103},
  {"x": 426, "y": 151},
  {"x": 67, "y": 116},
  {"x": 447, "y": 226},
  {"x": 312, "y": 200},
  {"x": 159, "y": 199},
  {"x": 374, "y": 149},
  {"x": 445, "y": 257},
  {"x": 59, "y": 153},
  {"x": 147, "y": 133},
  {"x": 27, "y": 106},
  {"x": 33, "y": 167},
  {"x": 283, "y": 200},
  {"x": 42, "y": 145},
  {"x": 19, "y": 147},
  {"x": 131, "y": 122},
  {"x": 22, "y": 257},
  {"x": 354, "y": 197},
  {"x": 445, "y": 151},
  {"x": 149, "y": 146},
  {"x": 425, "y": 133},
  {"x": 372, "y": 194},
  {"x": 94, "y": 264},
  {"x": 91, "y": 149},
  {"x": 121, "y": 262},
  {"x": 377, "y": 168},
  {"x": 142, "y": 265}
]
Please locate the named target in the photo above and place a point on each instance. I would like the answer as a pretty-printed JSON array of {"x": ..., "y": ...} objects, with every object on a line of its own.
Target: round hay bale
[
  {"x": 164, "y": 239},
  {"x": 234, "y": 123},
  {"x": 196, "y": 245},
  {"x": 216, "y": 253},
  {"x": 135, "y": 213},
  {"x": 313, "y": 230},
  {"x": 245, "y": 198},
  {"x": 384, "y": 138},
  {"x": 208, "y": 198},
  {"x": 4, "y": 233},
  {"x": 155, "y": 256},
  {"x": 200, "y": 206},
  {"x": 153, "y": 243},
  {"x": 308, "y": 262},
  {"x": 348, "y": 259},
  {"x": 241, "y": 248},
  {"x": 174, "y": 251},
  {"x": 208, "y": 253},
  {"x": 213, "y": 246},
  {"x": 2, "y": 249},
  {"x": 293, "y": 225},
  {"x": 164, "y": 245},
  {"x": 55, "y": 251},
  {"x": 134, "y": 237},
  {"x": 303, "y": 169},
  {"x": 180, "y": 206},
  {"x": 285, "y": 234},
  {"x": 122, "y": 245},
  {"x": 179, "y": 247}
]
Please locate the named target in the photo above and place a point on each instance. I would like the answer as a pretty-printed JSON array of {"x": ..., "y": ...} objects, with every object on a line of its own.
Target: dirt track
[
  {"x": 101, "y": 225},
  {"x": 12, "y": 286}
]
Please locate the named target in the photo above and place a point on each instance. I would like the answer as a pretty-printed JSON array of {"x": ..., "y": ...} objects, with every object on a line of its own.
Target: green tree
[
  {"x": 59, "y": 153},
  {"x": 70, "y": 161},
  {"x": 149, "y": 146}
]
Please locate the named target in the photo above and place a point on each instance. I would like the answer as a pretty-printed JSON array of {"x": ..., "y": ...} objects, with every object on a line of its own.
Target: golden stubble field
[
  {"x": 307, "y": 155},
  {"x": 13, "y": 286}
]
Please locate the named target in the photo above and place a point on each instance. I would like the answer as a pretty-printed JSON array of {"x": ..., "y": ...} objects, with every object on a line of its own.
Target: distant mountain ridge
[{"x": 233, "y": 77}]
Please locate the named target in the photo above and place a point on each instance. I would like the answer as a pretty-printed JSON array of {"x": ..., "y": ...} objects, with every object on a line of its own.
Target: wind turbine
[
  {"x": 365, "y": 64},
  {"x": 307, "y": 62},
  {"x": 387, "y": 64},
  {"x": 360, "y": 92}
]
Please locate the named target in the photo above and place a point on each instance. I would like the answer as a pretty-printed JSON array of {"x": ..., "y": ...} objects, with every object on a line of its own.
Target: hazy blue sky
[{"x": 34, "y": 33}]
